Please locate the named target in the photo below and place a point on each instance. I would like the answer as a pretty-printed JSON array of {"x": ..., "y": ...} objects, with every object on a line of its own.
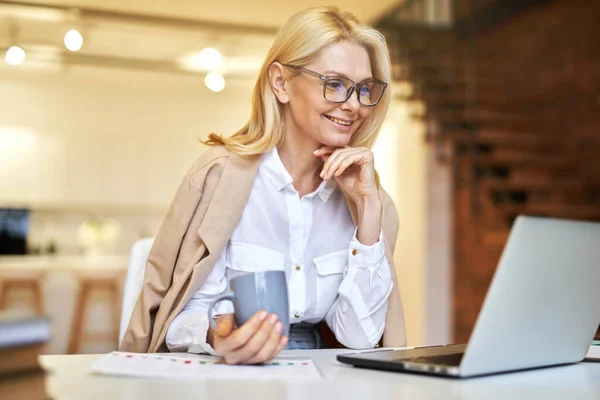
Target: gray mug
[{"x": 254, "y": 292}]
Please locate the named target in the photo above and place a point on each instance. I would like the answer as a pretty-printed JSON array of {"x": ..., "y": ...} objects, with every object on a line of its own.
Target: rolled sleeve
[
  {"x": 363, "y": 256},
  {"x": 370, "y": 258},
  {"x": 357, "y": 318}
]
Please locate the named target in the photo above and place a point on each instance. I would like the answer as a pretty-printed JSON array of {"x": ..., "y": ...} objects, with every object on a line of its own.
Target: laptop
[{"x": 542, "y": 308}]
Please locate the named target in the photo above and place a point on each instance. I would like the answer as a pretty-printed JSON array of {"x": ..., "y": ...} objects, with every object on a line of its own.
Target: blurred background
[{"x": 103, "y": 102}]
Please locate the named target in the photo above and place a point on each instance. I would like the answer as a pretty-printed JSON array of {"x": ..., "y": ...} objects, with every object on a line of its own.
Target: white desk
[{"x": 70, "y": 379}]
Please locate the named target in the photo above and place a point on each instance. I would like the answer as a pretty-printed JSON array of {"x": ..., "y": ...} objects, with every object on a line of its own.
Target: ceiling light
[
  {"x": 214, "y": 82},
  {"x": 206, "y": 60},
  {"x": 209, "y": 59},
  {"x": 73, "y": 40},
  {"x": 15, "y": 55}
]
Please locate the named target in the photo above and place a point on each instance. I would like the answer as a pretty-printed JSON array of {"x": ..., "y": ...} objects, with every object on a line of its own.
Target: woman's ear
[{"x": 277, "y": 79}]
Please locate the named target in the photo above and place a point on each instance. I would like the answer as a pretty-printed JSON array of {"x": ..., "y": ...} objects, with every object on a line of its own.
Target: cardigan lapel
[{"x": 228, "y": 202}]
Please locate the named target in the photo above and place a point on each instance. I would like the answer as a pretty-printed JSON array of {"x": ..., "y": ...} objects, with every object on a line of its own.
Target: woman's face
[{"x": 310, "y": 115}]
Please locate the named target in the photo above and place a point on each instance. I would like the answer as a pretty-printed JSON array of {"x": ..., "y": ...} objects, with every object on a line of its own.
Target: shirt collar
[{"x": 275, "y": 171}]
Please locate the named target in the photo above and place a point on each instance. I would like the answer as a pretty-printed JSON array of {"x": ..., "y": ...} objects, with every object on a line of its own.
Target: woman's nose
[{"x": 352, "y": 103}]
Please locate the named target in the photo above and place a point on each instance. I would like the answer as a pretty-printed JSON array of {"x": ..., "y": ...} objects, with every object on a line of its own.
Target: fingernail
[
  {"x": 316, "y": 151},
  {"x": 273, "y": 319},
  {"x": 279, "y": 327},
  {"x": 262, "y": 315},
  {"x": 284, "y": 340}
]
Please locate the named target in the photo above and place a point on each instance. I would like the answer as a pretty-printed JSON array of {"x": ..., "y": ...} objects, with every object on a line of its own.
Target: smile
[{"x": 339, "y": 121}]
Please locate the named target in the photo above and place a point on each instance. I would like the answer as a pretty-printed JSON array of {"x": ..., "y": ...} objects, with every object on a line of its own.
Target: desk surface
[{"x": 70, "y": 379}]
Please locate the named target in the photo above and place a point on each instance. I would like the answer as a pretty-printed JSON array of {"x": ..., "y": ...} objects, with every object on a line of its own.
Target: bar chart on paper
[{"x": 193, "y": 366}]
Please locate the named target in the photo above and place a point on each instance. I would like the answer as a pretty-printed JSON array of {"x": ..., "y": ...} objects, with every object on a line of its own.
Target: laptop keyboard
[{"x": 452, "y": 360}]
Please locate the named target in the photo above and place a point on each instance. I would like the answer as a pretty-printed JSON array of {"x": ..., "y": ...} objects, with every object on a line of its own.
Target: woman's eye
[{"x": 335, "y": 85}]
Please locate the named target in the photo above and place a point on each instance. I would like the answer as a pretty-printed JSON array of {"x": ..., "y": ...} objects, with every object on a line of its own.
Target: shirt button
[
  {"x": 298, "y": 268},
  {"x": 344, "y": 305},
  {"x": 354, "y": 252},
  {"x": 296, "y": 315}
]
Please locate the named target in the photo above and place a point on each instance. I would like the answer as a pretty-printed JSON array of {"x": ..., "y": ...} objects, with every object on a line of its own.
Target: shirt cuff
[
  {"x": 188, "y": 333},
  {"x": 363, "y": 256}
]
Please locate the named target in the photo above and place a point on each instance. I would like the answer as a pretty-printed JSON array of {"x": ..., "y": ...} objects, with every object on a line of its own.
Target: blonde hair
[{"x": 298, "y": 43}]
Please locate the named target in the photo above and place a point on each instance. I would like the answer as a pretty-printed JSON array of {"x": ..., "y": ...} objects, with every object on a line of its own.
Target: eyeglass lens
[{"x": 339, "y": 89}]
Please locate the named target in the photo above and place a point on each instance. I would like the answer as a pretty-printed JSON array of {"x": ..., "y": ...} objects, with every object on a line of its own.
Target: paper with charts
[{"x": 194, "y": 366}]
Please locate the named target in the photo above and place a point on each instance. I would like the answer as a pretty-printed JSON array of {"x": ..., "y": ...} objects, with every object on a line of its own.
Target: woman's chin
[{"x": 337, "y": 140}]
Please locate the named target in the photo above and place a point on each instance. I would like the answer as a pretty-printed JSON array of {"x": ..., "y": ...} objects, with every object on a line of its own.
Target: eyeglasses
[{"x": 338, "y": 90}]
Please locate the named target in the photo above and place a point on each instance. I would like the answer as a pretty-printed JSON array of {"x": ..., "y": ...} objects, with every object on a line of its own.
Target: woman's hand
[
  {"x": 352, "y": 167},
  {"x": 257, "y": 341},
  {"x": 354, "y": 171}
]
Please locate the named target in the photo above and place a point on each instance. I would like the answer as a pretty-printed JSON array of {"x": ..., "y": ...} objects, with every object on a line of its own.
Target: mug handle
[{"x": 224, "y": 296}]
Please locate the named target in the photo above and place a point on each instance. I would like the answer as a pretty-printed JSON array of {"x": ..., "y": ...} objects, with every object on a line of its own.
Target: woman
[{"x": 294, "y": 189}]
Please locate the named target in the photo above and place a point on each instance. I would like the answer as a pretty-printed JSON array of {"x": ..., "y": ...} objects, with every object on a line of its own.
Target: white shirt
[{"x": 331, "y": 276}]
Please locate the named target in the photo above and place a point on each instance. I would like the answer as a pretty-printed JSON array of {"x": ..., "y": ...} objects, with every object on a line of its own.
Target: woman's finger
[
  {"x": 242, "y": 335},
  {"x": 253, "y": 346},
  {"x": 269, "y": 347},
  {"x": 337, "y": 153},
  {"x": 334, "y": 164},
  {"x": 344, "y": 164},
  {"x": 282, "y": 343},
  {"x": 360, "y": 158},
  {"x": 224, "y": 325},
  {"x": 327, "y": 158},
  {"x": 324, "y": 151}
]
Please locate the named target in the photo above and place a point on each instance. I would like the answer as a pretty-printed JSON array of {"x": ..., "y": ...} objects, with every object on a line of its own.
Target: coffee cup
[{"x": 253, "y": 292}]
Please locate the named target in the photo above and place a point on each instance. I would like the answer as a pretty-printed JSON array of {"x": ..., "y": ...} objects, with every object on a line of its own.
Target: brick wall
[{"x": 545, "y": 66}]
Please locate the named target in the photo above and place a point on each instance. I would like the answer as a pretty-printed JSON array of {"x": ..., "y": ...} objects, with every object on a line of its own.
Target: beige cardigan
[{"x": 201, "y": 219}]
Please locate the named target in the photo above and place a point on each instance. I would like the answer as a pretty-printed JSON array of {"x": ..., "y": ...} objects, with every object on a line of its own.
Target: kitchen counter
[{"x": 63, "y": 262}]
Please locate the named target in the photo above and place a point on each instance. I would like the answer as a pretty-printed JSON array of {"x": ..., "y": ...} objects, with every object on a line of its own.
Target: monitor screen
[{"x": 14, "y": 226}]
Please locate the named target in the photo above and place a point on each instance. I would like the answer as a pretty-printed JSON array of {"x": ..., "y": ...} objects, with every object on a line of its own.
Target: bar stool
[
  {"x": 22, "y": 283},
  {"x": 87, "y": 285}
]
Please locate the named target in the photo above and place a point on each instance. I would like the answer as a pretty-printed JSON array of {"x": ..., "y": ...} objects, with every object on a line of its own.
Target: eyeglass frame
[{"x": 355, "y": 85}]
